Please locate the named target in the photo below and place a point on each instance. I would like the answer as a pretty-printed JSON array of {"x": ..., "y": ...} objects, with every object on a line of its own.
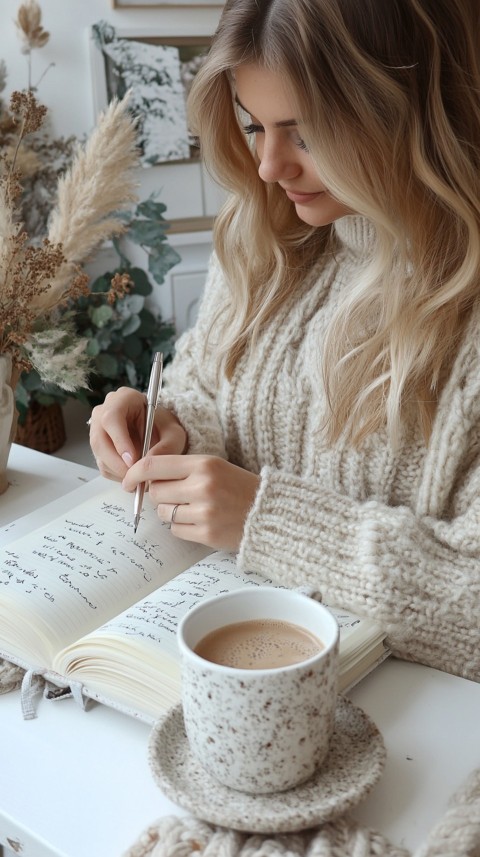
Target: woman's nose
[{"x": 276, "y": 162}]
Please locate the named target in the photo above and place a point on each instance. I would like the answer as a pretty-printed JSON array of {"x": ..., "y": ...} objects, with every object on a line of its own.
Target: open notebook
[{"x": 93, "y": 606}]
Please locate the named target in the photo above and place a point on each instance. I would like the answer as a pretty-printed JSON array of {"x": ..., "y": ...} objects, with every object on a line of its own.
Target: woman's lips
[{"x": 298, "y": 197}]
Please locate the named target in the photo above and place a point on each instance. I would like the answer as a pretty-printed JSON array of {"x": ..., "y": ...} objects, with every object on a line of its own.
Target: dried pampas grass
[
  {"x": 39, "y": 283},
  {"x": 98, "y": 184}
]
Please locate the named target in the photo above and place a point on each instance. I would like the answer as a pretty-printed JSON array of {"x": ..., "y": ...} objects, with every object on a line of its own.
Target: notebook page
[{"x": 87, "y": 565}]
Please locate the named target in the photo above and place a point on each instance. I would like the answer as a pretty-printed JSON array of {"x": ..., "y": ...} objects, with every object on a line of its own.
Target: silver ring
[{"x": 174, "y": 512}]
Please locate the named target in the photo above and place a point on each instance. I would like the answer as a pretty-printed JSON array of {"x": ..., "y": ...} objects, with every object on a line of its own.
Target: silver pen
[{"x": 154, "y": 387}]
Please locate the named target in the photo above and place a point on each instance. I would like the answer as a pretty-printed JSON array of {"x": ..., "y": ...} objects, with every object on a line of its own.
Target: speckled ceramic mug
[{"x": 259, "y": 730}]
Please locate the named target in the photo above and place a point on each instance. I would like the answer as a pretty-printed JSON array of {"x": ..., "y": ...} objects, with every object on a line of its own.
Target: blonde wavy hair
[{"x": 388, "y": 94}]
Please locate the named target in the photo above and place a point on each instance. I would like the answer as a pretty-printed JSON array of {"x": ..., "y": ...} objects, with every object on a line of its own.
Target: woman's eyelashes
[{"x": 252, "y": 128}]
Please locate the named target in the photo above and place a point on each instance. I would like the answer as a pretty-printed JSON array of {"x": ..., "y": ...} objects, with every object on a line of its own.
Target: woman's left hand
[{"x": 212, "y": 495}]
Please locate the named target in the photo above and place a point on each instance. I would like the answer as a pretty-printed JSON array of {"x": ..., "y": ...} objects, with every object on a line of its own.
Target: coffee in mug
[
  {"x": 264, "y": 728},
  {"x": 259, "y": 644}
]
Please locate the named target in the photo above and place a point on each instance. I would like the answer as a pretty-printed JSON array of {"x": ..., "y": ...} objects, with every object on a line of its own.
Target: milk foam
[{"x": 259, "y": 644}]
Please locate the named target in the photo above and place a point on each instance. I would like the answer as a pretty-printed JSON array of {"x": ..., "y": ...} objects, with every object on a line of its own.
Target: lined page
[
  {"x": 154, "y": 619},
  {"x": 75, "y": 573}
]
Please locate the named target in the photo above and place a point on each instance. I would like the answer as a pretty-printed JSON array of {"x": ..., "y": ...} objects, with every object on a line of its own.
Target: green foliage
[
  {"x": 31, "y": 388},
  {"x": 122, "y": 336}
]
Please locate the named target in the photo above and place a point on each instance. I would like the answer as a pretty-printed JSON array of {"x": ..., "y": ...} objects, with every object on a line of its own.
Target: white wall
[{"x": 67, "y": 90}]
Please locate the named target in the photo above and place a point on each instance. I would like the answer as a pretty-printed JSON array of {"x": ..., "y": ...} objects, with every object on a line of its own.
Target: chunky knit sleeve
[
  {"x": 418, "y": 577},
  {"x": 415, "y": 568},
  {"x": 190, "y": 381}
]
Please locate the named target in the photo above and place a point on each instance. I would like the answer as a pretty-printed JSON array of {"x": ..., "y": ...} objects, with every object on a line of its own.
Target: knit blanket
[{"x": 456, "y": 835}]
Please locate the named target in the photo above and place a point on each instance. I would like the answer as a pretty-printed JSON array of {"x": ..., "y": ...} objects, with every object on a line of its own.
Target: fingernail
[{"x": 127, "y": 458}]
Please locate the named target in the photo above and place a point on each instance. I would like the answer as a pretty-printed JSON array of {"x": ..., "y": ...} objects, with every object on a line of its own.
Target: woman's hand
[
  {"x": 212, "y": 495},
  {"x": 116, "y": 432}
]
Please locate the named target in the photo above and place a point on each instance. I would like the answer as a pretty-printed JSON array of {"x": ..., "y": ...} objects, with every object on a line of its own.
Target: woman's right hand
[{"x": 116, "y": 432}]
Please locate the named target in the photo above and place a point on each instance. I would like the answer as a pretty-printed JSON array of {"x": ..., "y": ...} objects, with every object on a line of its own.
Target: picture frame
[
  {"x": 158, "y": 71},
  {"x": 180, "y": 176}
]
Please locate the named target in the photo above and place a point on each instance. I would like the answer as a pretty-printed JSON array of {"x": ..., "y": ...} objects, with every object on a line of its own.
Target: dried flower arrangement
[
  {"x": 41, "y": 158},
  {"x": 103, "y": 328},
  {"x": 36, "y": 282},
  {"x": 123, "y": 333}
]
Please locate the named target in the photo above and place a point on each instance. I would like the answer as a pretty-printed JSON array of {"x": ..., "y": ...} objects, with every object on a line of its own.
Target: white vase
[{"x": 8, "y": 419}]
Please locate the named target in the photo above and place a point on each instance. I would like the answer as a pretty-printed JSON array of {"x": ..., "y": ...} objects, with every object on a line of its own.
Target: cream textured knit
[
  {"x": 392, "y": 536},
  {"x": 456, "y": 835}
]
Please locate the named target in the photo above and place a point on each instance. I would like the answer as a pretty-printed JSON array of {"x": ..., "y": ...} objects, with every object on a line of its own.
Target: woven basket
[{"x": 43, "y": 429}]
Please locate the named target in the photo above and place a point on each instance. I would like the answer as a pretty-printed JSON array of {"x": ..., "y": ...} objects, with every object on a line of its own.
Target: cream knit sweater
[{"x": 392, "y": 536}]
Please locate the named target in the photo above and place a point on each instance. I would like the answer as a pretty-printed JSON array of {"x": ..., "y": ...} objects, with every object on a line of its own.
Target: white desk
[
  {"x": 36, "y": 479},
  {"x": 77, "y": 784}
]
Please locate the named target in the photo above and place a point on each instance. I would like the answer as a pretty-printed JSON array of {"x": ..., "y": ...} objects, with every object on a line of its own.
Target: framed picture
[
  {"x": 158, "y": 72},
  {"x": 149, "y": 4}
]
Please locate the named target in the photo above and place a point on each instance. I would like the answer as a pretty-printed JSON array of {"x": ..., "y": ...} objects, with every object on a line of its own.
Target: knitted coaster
[
  {"x": 182, "y": 837},
  {"x": 456, "y": 835},
  {"x": 10, "y": 676}
]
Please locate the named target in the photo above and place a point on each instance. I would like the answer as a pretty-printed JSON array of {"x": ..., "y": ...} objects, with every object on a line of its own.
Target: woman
[{"x": 323, "y": 416}]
